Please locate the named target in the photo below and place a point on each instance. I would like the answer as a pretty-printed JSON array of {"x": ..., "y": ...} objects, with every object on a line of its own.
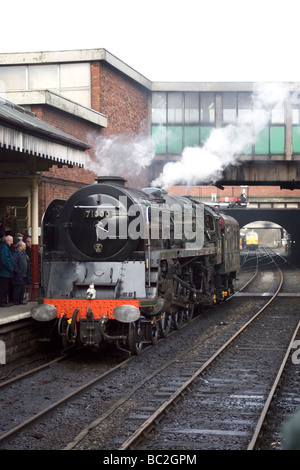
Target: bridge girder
[{"x": 285, "y": 174}]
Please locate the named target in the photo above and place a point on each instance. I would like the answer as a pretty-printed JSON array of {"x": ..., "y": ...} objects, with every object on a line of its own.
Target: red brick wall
[
  {"x": 96, "y": 87},
  {"x": 126, "y": 104},
  {"x": 78, "y": 128},
  {"x": 122, "y": 100},
  {"x": 251, "y": 191},
  {"x": 60, "y": 183}
]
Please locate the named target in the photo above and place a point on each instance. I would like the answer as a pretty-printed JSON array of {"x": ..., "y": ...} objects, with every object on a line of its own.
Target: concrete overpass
[
  {"x": 287, "y": 218},
  {"x": 284, "y": 173}
]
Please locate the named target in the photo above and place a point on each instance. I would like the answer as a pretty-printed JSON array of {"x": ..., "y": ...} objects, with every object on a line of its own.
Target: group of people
[{"x": 15, "y": 266}]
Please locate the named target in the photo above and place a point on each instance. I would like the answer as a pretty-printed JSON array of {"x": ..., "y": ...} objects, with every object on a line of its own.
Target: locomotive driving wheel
[
  {"x": 189, "y": 313},
  {"x": 165, "y": 324},
  {"x": 135, "y": 343},
  {"x": 154, "y": 331},
  {"x": 177, "y": 318}
]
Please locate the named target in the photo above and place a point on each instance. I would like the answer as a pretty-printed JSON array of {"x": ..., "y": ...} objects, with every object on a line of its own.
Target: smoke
[
  {"x": 225, "y": 145},
  {"x": 128, "y": 156},
  {"x": 121, "y": 155}
]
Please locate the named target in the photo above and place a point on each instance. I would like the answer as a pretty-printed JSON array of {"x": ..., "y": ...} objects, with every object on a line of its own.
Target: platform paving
[{"x": 15, "y": 313}]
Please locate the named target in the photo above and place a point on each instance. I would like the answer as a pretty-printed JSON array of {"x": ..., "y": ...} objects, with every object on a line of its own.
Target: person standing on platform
[
  {"x": 21, "y": 273},
  {"x": 8, "y": 222},
  {"x": 28, "y": 247},
  {"x": 6, "y": 269}
]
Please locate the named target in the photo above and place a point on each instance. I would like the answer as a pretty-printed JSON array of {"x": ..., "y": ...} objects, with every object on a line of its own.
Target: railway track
[
  {"x": 254, "y": 420},
  {"x": 223, "y": 392},
  {"x": 138, "y": 397}
]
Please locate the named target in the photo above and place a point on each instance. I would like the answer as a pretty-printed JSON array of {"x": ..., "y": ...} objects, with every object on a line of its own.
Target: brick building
[
  {"x": 90, "y": 95},
  {"x": 100, "y": 100}
]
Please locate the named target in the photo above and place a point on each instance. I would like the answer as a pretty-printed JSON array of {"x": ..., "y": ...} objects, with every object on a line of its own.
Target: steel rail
[
  {"x": 138, "y": 435},
  {"x": 252, "y": 278},
  {"x": 52, "y": 407},
  {"x": 31, "y": 420},
  {"x": 32, "y": 371},
  {"x": 262, "y": 417},
  {"x": 38, "y": 415}
]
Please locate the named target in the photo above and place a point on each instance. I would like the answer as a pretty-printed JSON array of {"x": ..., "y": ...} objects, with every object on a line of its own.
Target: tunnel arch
[{"x": 289, "y": 219}]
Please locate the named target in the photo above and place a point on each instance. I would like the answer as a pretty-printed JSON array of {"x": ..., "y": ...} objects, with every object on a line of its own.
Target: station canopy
[{"x": 29, "y": 145}]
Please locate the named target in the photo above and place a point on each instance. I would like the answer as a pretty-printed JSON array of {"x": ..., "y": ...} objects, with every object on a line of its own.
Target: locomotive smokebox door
[{"x": 94, "y": 224}]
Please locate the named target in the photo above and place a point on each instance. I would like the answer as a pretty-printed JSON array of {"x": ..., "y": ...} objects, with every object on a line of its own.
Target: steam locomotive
[{"x": 123, "y": 265}]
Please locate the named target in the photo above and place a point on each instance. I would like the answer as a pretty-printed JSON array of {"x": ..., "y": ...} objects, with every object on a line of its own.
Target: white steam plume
[
  {"x": 225, "y": 145},
  {"x": 121, "y": 155}
]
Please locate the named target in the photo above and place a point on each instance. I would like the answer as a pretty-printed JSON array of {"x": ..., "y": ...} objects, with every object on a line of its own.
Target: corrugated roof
[
  {"x": 18, "y": 117},
  {"x": 22, "y": 131}
]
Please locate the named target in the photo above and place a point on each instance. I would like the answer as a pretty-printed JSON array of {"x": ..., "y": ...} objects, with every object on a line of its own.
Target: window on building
[
  {"x": 208, "y": 108},
  {"x": 174, "y": 139},
  {"x": 72, "y": 81},
  {"x": 229, "y": 108},
  {"x": 277, "y": 140},
  {"x": 175, "y": 108},
  {"x": 296, "y": 139},
  {"x": 13, "y": 78},
  {"x": 296, "y": 108},
  {"x": 159, "y": 108},
  {"x": 181, "y": 120},
  {"x": 159, "y": 136},
  {"x": 296, "y": 122},
  {"x": 191, "y": 108},
  {"x": 43, "y": 77},
  {"x": 191, "y": 136},
  {"x": 277, "y": 114},
  {"x": 245, "y": 107}
]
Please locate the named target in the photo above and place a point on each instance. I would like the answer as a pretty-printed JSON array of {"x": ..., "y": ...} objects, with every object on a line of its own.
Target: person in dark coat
[
  {"x": 21, "y": 273},
  {"x": 28, "y": 247},
  {"x": 6, "y": 269}
]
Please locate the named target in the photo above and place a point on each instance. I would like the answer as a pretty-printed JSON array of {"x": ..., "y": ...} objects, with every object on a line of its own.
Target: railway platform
[
  {"x": 20, "y": 335},
  {"x": 15, "y": 313}
]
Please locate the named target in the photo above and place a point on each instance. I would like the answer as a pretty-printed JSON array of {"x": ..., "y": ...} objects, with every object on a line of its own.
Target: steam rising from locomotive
[
  {"x": 121, "y": 265},
  {"x": 225, "y": 145},
  {"x": 127, "y": 155}
]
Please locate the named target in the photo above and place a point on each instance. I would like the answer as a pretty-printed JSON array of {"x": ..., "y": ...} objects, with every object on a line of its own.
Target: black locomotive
[{"x": 124, "y": 265}]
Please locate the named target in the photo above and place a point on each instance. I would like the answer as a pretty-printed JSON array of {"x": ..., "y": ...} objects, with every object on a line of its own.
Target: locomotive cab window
[{"x": 209, "y": 223}]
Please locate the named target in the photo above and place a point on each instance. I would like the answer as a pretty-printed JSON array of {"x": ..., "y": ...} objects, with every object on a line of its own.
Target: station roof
[
  {"x": 80, "y": 55},
  {"x": 24, "y": 134}
]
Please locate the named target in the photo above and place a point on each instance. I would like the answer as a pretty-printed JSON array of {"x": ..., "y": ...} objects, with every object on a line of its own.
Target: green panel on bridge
[
  {"x": 174, "y": 139},
  {"x": 296, "y": 139},
  {"x": 277, "y": 135},
  {"x": 205, "y": 132},
  {"x": 262, "y": 142},
  {"x": 191, "y": 136},
  {"x": 159, "y": 134}
]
